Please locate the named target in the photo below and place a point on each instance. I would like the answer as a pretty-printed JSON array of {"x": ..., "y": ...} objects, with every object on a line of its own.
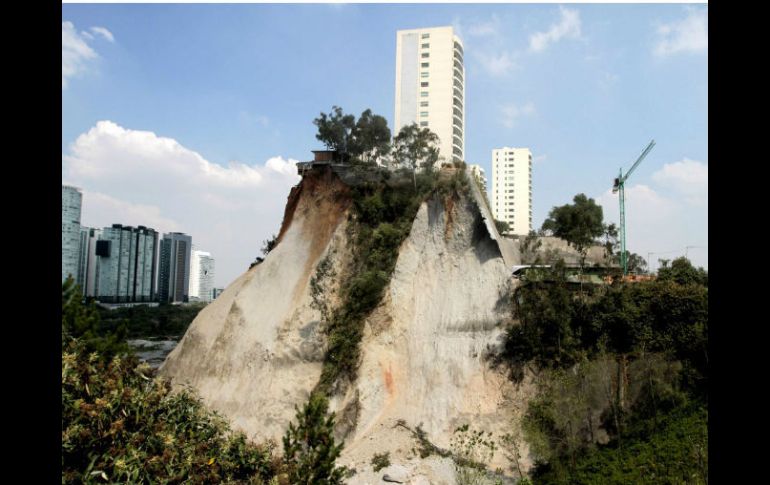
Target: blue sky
[{"x": 188, "y": 117}]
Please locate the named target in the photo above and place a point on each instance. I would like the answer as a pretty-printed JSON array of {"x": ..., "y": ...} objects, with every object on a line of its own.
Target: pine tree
[{"x": 309, "y": 448}]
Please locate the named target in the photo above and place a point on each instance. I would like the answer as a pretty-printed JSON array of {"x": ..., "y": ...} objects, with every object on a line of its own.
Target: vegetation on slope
[
  {"x": 622, "y": 377},
  {"x": 382, "y": 216},
  {"x": 122, "y": 424}
]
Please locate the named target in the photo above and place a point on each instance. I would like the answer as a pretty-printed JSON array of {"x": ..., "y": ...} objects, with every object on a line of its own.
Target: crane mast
[{"x": 620, "y": 186}]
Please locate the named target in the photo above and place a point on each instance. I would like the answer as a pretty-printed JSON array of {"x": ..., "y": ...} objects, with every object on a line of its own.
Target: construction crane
[{"x": 620, "y": 186}]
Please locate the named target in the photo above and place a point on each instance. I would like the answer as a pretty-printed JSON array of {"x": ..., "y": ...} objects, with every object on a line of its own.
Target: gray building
[
  {"x": 71, "y": 200},
  {"x": 174, "y": 272},
  {"x": 89, "y": 268},
  {"x": 127, "y": 264}
]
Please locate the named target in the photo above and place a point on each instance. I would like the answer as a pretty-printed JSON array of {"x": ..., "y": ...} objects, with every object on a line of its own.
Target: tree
[
  {"x": 682, "y": 272},
  {"x": 335, "y": 129},
  {"x": 269, "y": 244},
  {"x": 365, "y": 140},
  {"x": 82, "y": 322},
  {"x": 309, "y": 449},
  {"x": 579, "y": 223},
  {"x": 370, "y": 137},
  {"x": 502, "y": 226},
  {"x": 416, "y": 148},
  {"x": 636, "y": 263}
]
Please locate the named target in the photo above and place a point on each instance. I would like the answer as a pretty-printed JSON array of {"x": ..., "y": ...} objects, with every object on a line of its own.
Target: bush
[
  {"x": 380, "y": 461},
  {"x": 121, "y": 424}
]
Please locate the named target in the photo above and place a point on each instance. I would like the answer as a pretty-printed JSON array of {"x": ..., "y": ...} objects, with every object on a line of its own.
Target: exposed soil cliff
[{"x": 258, "y": 350}]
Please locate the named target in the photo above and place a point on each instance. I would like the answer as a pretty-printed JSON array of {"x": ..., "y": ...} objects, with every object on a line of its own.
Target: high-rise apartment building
[
  {"x": 201, "y": 276},
  {"x": 71, "y": 200},
  {"x": 91, "y": 278},
  {"x": 127, "y": 264},
  {"x": 174, "y": 279},
  {"x": 430, "y": 86},
  {"x": 512, "y": 188}
]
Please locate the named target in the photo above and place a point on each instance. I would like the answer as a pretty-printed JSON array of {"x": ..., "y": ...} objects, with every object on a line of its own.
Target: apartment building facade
[
  {"x": 512, "y": 188},
  {"x": 430, "y": 87}
]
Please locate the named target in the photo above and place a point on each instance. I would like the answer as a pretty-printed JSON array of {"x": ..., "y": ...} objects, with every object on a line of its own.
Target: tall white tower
[
  {"x": 512, "y": 188},
  {"x": 430, "y": 86},
  {"x": 71, "y": 200},
  {"x": 201, "y": 276}
]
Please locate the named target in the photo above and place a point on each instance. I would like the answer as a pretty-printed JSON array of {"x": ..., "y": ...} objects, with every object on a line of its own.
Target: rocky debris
[{"x": 396, "y": 474}]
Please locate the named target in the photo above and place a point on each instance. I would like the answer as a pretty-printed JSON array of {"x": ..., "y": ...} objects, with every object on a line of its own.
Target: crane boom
[{"x": 639, "y": 160}]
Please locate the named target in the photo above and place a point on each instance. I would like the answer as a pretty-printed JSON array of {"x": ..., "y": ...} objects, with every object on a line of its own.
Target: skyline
[{"x": 220, "y": 100}]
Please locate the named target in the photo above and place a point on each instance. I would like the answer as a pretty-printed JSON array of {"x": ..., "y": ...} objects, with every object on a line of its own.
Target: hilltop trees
[
  {"x": 416, "y": 147},
  {"x": 368, "y": 139},
  {"x": 365, "y": 139}
]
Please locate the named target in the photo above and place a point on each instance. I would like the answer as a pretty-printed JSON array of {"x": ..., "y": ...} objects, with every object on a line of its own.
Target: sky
[{"x": 190, "y": 118}]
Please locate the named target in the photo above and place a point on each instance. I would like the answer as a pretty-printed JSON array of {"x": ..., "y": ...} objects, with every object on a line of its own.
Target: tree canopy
[
  {"x": 579, "y": 223},
  {"x": 365, "y": 139},
  {"x": 415, "y": 147}
]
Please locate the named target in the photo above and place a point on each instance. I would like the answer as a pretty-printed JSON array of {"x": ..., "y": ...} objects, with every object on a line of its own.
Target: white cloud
[
  {"x": 689, "y": 178},
  {"x": 104, "y": 33},
  {"x": 568, "y": 27},
  {"x": 110, "y": 210},
  {"x": 484, "y": 29},
  {"x": 540, "y": 158},
  {"x": 511, "y": 113},
  {"x": 688, "y": 35},
  {"x": 495, "y": 64},
  {"x": 76, "y": 54},
  {"x": 659, "y": 224},
  {"x": 137, "y": 177},
  {"x": 249, "y": 118}
]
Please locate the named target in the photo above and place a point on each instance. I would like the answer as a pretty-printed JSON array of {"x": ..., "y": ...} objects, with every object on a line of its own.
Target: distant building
[
  {"x": 512, "y": 188},
  {"x": 71, "y": 200},
  {"x": 430, "y": 86},
  {"x": 174, "y": 271},
  {"x": 216, "y": 292},
  {"x": 91, "y": 286},
  {"x": 478, "y": 172},
  {"x": 127, "y": 264},
  {"x": 201, "y": 276}
]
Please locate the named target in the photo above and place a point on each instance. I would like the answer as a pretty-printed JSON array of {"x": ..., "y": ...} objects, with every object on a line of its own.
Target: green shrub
[
  {"x": 120, "y": 424},
  {"x": 309, "y": 449},
  {"x": 380, "y": 461}
]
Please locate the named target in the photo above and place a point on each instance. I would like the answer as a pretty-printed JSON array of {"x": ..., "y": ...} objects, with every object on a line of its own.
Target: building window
[
  {"x": 425, "y": 54},
  {"x": 423, "y": 114},
  {"x": 425, "y": 46},
  {"x": 424, "y": 94},
  {"x": 424, "y": 84},
  {"x": 423, "y": 104},
  {"x": 425, "y": 64},
  {"x": 423, "y": 74},
  {"x": 423, "y": 123},
  {"x": 425, "y": 36}
]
